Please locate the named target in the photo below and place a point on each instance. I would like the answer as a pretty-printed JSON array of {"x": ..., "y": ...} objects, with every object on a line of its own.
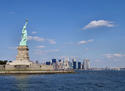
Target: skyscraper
[
  {"x": 79, "y": 65},
  {"x": 74, "y": 63},
  {"x": 66, "y": 63},
  {"x": 86, "y": 64},
  {"x": 48, "y": 63},
  {"x": 53, "y": 61}
]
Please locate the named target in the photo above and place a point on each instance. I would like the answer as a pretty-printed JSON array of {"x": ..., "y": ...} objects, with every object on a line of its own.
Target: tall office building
[
  {"x": 66, "y": 63},
  {"x": 53, "y": 61},
  {"x": 79, "y": 65},
  {"x": 48, "y": 63},
  {"x": 59, "y": 60},
  {"x": 60, "y": 64},
  {"x": 86, "y": 64},
  {"x": 74, "y": 63}
]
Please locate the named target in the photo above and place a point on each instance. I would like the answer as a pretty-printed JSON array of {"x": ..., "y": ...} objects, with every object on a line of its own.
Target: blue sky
[{"x": 92, "y": 29}]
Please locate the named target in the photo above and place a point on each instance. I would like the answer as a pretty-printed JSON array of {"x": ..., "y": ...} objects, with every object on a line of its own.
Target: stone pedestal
[
  {"x": 22, "y": 53},
  {"x": 22, "y": 57}
]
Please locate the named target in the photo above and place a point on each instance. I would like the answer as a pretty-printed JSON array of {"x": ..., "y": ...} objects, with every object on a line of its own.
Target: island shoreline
[{"x": 36, "y": 72}]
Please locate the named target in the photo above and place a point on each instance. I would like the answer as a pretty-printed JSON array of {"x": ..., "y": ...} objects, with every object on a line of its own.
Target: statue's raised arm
[{"x": 23, "y": 41}]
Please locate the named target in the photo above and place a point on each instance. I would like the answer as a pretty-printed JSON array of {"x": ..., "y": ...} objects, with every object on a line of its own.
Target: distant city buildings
[
  {"x": 86, "y": 64},
  {"x": 74, "y": 63},
  {"x": 53, "y": 61},
  {"x": 66, "y": 64},
  {"x": 79, "y": 65},
  {"x": 48, "y": 63}
]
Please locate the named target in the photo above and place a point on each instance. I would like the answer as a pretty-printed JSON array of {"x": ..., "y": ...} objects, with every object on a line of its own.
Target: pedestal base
[
  {"x": 22, "y": 62},
  {"x": 22, "y": 57}
]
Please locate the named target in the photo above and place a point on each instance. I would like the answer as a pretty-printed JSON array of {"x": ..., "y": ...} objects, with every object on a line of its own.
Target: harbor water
[{"x": 79, "y": 81}]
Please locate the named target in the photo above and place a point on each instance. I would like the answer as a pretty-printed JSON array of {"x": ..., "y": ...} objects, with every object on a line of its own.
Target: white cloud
[
  {"x": 99, "y": 23},
  {"x": 36, "y": 38},
  {"x": 39, "y": 39},
  {"x": 91, "y": 40},
  {"x": 51, "y": 41},
  {"x": 82, "y": 42},
  {"x": 34, "y": 32},
  {"x": 115, "y": 55},
  {"x": 41, "y": 46}
]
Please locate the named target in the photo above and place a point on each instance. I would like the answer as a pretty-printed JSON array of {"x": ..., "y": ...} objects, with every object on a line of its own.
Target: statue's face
[{"x": 24, "y": 27}]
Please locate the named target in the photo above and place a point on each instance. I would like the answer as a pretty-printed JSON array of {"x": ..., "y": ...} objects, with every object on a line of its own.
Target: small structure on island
[{"x": 22, "y": 61}]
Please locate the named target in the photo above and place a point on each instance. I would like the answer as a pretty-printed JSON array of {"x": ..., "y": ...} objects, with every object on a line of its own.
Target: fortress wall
[
  {"x": 2, "y": 67},
  {"x": 33, "y": 67},
  {"x": 47, "y": 67},
  {"x": 10, "y": 67}
]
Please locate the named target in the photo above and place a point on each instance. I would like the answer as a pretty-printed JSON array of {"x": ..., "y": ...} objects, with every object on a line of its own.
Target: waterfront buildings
[
  {"x": 66, "y": 63},
  {"x": 48, "y": 63},
  {"x": 86, "y": 64},
  {"x": 79, "y": 65},
  {"x": 53, "y": 61}
]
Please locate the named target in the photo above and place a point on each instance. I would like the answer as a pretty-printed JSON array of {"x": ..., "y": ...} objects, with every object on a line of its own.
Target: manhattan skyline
[{"x": 82, "y": 29}]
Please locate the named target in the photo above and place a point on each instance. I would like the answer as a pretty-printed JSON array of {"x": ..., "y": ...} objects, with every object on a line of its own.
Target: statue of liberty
[{"x": 23, "y": 41}]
